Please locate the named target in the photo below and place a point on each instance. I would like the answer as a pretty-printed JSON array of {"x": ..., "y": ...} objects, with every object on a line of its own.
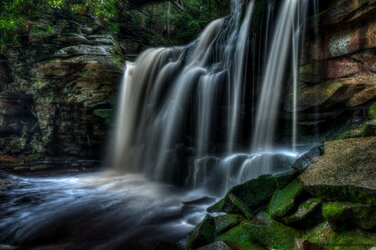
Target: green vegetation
[
  {"x": 106, "y": 114},
  {"x": 240, "y": 237},
  {"x": 332, "y": 209},
  {"x": 170, "y": 24},
  {"x": 304, "y": 210},
  {"x": 254, "y": 193},
  {"x": 284, "y": 200},
  {"x": 372, "y": 111},
  {"x": 16, "y": 15},
  {"x": 164, "y": 23},
  {"x": 273, "y": 234},
  {"x": 354, "y": 239}
]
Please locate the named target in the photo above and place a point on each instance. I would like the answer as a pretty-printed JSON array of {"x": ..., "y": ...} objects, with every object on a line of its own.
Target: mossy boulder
[
  {"x": 264, "y": 232},
  {"x": 344, "y": 216},
  {"x": 346, "y": 172},
  {"x": 271, "y": 233},
  {"x": 217, "y": 245},
  {"x": 210, "y": 228},
  {"x": 252, "y": 194},
  {"x": 325, "y": 236},
  {"x": 283, "y": 201},
  {"x": 224, "y": 222},
  {"x": 202, "y": 234},
  {"x": 240, "y": 237},
  {"x": 307, "y": 213}
]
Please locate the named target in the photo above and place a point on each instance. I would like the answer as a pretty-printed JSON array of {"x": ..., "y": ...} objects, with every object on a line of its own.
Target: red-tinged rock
[{"x": 342, "y": 42}]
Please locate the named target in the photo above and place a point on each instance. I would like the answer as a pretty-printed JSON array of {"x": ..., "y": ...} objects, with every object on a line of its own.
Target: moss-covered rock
[
  {"x": 369, "y": 128},
  {"x": 224, "y": 222},
  {"x": 346, "y": 172},
  {"x": 217, "y": 245},
  {"x": 372, "y": 111},
  {"x": 305, "y": 210},
  {"x": 240, "y": 237},
  {"x": 271, "y": 233},
  {"x": 251, "y": 194},
  {"x": 324, "y": 235},
  {"x": 283, "y": 201},
  {"x": 203, "y": 234},
  {"x": 344, "y": 215},
  {"x": 210, "y": 228},
  {"x": 262, "y": 233}
]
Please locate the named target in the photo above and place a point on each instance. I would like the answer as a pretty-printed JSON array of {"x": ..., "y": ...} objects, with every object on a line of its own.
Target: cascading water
[
  {"x": 165, "y": 88},
  {"x": 182, "y": 119},
  {"x": 173, "y": 100}
]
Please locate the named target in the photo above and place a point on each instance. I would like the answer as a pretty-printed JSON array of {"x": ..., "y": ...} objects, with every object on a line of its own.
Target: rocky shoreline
[{"x": 331, "y": 205}]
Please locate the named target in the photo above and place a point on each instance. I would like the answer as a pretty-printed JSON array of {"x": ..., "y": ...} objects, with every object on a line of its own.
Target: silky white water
[
  {"x": 181, "y": 103},
  {"x": 184, "y": 117}
]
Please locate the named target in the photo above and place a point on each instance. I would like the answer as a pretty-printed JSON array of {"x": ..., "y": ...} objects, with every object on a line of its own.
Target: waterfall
[
  {"x": 285, "y": 37},
  {"x": 182, "y": 110}
]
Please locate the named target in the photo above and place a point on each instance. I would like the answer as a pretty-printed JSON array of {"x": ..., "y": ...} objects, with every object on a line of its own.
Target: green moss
[
  {"x": 240, "y": 237},
  {"x": 344, "y": 215},
  {"x": 106, "y": 114},
  {"x": 355, "y": 239},
  {"x": 355, "y": 194},
  {"x": 253, "y": 194},
  {"x": 332, "y": 209},
  {"x": 369, "y": 128},
  {"x": 284, "y": 200},
  {"x": 372, "y": 111},
  {"x": 210, "y": 228},
  {"x": 285, "y": 179},
  {"x": 303, "y": 211},
  {"x": 217, "y": 245},
  {"x": 272, "y": 234},
  {"x": 202, "y": 235},
  {"x": 224, "y": 222},
  {"x": 240, "y": 205}
]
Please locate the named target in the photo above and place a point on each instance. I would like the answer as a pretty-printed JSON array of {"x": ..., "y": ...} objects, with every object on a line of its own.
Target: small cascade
[{"x": 183, "y": 111}]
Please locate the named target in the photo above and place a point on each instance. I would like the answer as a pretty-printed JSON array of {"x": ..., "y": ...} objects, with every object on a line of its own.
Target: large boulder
[
  {"x": 210, "y": 228},
  {"x": 247, "y": 197},
  {"x": 323, "y": 235},
  {"x": 260, "y": 233},
  {"x": 283, "y": 201},
  {"x": 344, "y": 216},
  {"x": 338, "y": 70},
  {"x": 346, "y": 172}
]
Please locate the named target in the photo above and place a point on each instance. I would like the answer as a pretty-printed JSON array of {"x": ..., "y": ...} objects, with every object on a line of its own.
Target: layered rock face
[
  {"x": 338, "y": 72},
  {"x": 56, "y": 89}
]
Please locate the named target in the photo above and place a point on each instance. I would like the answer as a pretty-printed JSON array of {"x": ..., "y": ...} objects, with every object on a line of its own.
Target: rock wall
[
  {"x": 55, "y": 92},
  {"x": 338, "y": 71}
]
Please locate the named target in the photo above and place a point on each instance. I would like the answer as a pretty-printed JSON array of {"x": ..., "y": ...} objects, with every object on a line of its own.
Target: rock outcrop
[
  {"x": 345, "y": 172},
  {"x": 329, "y": 206},
  {"x": 338, "y": 72},
  {"x": 55, "y": 88}
]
